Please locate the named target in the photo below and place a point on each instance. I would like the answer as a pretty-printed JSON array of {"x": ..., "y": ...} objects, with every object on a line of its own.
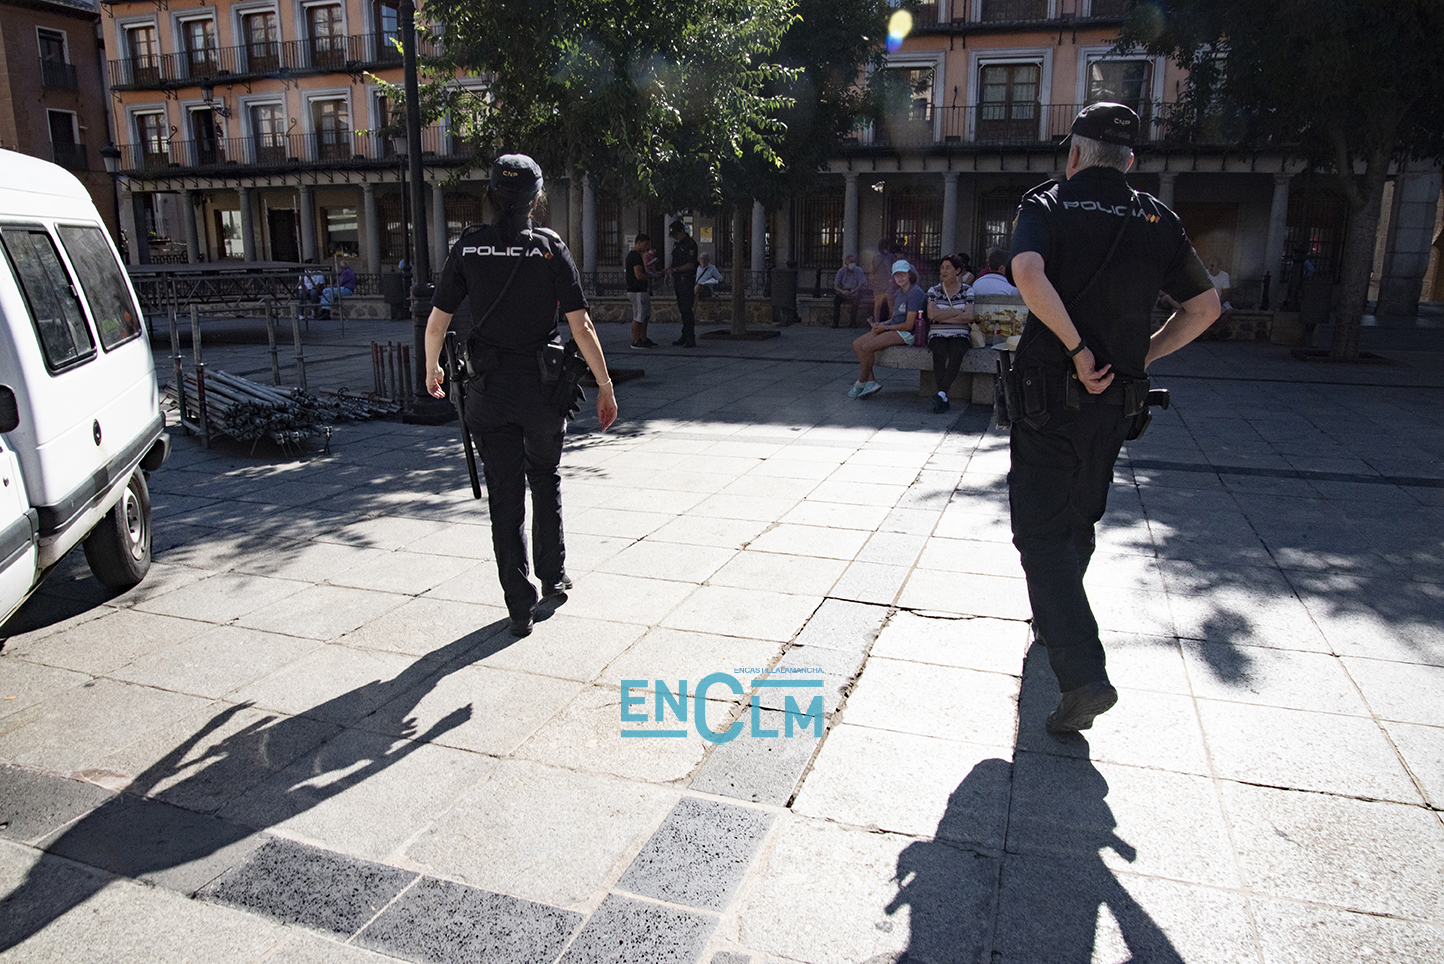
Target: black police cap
[
  {"x": 1109, "y": 123},
  {"x": 515, "y": 175}
]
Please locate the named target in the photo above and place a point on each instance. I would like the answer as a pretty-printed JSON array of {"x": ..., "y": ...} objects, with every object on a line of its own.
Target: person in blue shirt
[{"x": 898, "y": 330}]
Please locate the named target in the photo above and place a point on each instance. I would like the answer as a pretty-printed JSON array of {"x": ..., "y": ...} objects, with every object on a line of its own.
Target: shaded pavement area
[{"x": 307, "y": 736}]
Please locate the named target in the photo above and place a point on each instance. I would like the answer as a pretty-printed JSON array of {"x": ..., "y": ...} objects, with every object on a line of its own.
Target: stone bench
[{"x": 975, "y": 378}]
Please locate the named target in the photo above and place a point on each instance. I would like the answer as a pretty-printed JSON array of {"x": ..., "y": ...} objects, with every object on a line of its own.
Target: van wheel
[{"x": 118, "y": 549}]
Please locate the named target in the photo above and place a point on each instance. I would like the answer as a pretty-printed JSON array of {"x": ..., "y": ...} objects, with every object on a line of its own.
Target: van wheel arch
[{"x": 118, "y": 548}]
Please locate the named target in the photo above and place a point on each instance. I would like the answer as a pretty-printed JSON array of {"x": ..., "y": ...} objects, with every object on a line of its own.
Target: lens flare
[{"x": 898, "y": 28}]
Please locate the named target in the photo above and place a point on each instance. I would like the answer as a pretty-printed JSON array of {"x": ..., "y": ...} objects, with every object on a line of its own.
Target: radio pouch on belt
[{"x": 549, "y": 360}]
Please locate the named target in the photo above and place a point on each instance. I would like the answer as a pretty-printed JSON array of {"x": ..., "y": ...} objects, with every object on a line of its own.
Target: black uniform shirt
[
  {"x": 1072, "y": 225},
  {"x": 684, "y": 251},
  {"x": 526, "y": 318}
]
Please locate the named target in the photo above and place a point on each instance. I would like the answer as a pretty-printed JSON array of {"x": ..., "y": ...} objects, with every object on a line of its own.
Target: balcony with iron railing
[
  {"x": 318, "y": 55},
  {"x": 58, "y": 75},
  {"x": 235, "y": 155},
  {"x": 72, "y": 157},
  {"x": 952, "y": 15},
  {"x": 983, "y": 126}
]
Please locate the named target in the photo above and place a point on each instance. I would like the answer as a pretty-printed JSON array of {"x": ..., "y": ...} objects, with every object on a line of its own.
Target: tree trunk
[
  {"x": 1359, "y": 256},
  {"x": 739, "y": 271},
  {"x": 574, "y": 213}
]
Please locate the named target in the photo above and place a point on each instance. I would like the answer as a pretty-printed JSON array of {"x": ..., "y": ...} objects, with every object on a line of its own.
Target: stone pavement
[{"x": 307, "y": 737}]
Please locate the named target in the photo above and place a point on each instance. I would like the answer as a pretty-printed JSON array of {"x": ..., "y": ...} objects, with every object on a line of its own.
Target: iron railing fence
[
  {"x": 614, "y": 282},
  {"x": 351, "y": 53},
  {"x": 997, "y": 125},
  {"x": 72, "y": 157},
  {"x": 58, "y": 75},
  {"x": 280, "y": 151}
]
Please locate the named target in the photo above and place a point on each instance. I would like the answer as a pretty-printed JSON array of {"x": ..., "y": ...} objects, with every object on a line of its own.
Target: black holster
[{"x": 567, "y": 394}]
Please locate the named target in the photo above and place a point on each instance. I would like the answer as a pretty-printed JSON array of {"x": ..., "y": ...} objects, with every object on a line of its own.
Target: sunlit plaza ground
[{"x": 307, "y": 736}]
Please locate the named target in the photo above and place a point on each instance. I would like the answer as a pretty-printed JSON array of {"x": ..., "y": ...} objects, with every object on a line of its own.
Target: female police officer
[{"x": 517, "y": 277}]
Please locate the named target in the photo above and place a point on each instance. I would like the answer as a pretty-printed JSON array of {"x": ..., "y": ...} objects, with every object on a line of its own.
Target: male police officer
[
  {"x": 1066, "y": 440},
  {"x": 517, "y": 276},
  {"x": 684, "y": 279}
]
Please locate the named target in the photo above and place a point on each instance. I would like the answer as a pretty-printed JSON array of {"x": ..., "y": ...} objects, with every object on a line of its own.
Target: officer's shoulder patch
[
  {"x": 548, "y": 232},
  {"x": 1040, "y": 189}
]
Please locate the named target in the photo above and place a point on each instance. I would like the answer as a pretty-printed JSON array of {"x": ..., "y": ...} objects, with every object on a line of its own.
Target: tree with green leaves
[
  {"x": 639, "y": 96},
  {"x": 1351, "y": 85}
]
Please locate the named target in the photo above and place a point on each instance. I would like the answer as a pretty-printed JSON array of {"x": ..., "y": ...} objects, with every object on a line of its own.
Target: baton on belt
[{"x": 456, "y": 375}]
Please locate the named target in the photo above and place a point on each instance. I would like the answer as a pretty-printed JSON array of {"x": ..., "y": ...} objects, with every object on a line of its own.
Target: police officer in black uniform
[
  {"x": 517, "y": 277},
  {"x": 684, "y": 281},
  {"x": 1080, "y": 376}
]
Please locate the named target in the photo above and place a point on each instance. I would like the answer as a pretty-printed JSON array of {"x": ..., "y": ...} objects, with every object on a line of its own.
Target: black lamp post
[
  {"x": 424, "y": 408},
  {"x": 400, "y": 146},
  {"x": 111, "y": 155}
]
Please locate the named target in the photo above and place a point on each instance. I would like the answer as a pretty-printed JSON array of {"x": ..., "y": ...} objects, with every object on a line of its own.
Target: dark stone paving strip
[
  {"x": 698, "y": 855},
  {"x": 1311, "y": 475},
  {"x": 162, "y": 844},
  {"x": 33, "y": 805},
  {"x": 759, "y": 770},
  {"x": 442, "y": 922},
  {"x": 297, "y": 884},
  {"x": 731, "y": 957},
  {"x": 627, "y": 931}
]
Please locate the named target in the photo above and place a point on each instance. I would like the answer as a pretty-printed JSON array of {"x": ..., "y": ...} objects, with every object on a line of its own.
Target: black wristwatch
[{"x": 1081, "y": 345}]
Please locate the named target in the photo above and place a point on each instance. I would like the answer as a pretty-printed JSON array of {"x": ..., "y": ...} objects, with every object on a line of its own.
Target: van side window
[
  {"x": 64, "y": 336},
  {"x": 111, "y": 308}
]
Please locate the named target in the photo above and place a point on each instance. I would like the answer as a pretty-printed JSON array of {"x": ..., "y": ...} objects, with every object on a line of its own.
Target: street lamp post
[
  {"x": 424, "y": 408},
  {"x": 401, "y": 147},
  {"x": 111, "y": 155}
]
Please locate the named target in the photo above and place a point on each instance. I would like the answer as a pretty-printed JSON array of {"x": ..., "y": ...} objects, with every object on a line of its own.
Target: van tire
[{"x": 118, "y": 548}]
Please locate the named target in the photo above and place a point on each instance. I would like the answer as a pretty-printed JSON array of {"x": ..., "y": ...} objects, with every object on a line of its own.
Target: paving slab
[
  {"x": 699, "y": 854},
  {"x": 1300, "y": 933},
  {"x": 991, "y": 645},
  {"x": 898, "y": 896},
  {"x": 759, "y": 769},
  {"x": 443, "y": 921},
  {"x": 542, "y": 833},
  {"x": 628, "y": 931},
  {"x": 296, "y": 884},
  {"x": 1079, "y": 910},
  {"x": 33, "y": 805},
  {"x": 942, "y": 701},
  {"x": 1367, "y": 856},
  {"x": 363, "y": 793}
]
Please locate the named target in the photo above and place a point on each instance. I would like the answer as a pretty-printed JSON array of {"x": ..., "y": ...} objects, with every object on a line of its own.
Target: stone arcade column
[
  {"x": 248, "y": 222},
  {"x": 371, "y": 244},
  {"x": 1278, "y": 232},
  {"x": 1165, "y": 187},
  {"x": 589, "y": 227},
  {"x": 188, "y": 223},
  {"x": 307, "y": 203},
  {"x": 438, "y": 228},
  {"x": 127, "y": 223},
  {"x": 950, "y": 213},
  {"x": 1411, "y": 234},
  {"x": 759, "y": 236},
  {"x": 849, "y": 215}
]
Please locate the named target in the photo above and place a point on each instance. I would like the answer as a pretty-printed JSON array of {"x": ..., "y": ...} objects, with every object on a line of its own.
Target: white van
[{"x": 80, "y": 420}]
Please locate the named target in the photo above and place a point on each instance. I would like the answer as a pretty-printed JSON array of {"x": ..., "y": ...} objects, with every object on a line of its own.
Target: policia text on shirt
[
  {"x": 1081, "y": 368},
  {"x": 518, "y": 278}
]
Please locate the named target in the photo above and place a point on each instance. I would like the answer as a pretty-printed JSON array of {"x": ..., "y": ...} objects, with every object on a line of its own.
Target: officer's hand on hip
[
  {"x": 1093, "y": 379},
  {"x": 606, "y": 405},
  {"x": 433, "y": 382}
]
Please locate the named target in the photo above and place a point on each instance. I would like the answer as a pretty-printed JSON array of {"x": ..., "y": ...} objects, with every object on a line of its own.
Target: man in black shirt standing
[
  {"x": 1080, "y": 368},
  {"x": 517, "y": 277},
  {"x": 684, "y": 280},
  {"x": 639, "y": 290}
]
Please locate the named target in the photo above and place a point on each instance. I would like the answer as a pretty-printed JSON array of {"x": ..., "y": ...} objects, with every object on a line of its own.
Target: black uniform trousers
[
  {"x": 520, "y": 436},
  {"x": 1057, "y": 490},
  {"x": 686, "y": 299}
]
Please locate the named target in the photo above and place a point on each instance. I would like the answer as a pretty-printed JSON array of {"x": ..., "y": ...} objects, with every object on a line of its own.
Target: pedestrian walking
[
  {"x": 1089, "y": 257},
  {"x": 684, "y": 280},
  {"x": 639, "y": 290},
  {"x": 518, "y": 277}
]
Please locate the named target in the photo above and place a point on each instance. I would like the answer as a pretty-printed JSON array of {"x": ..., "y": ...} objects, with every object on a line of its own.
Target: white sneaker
[
  {"x": 871, "y": 388},
  {"x": 856, "y": 390}
]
